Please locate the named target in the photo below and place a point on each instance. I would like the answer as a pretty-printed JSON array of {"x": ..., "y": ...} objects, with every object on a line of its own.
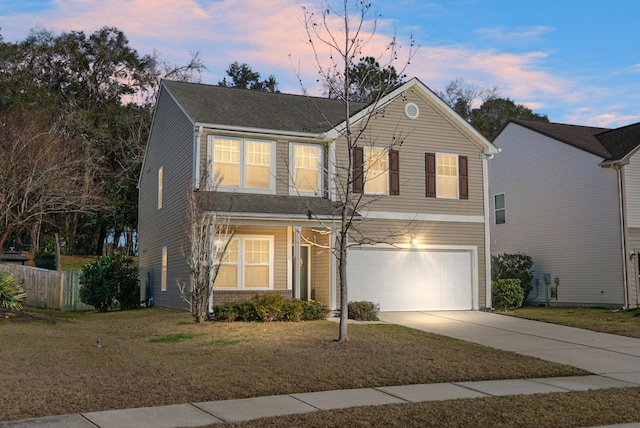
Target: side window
[
  {"x": 240, "y": 163},
  {"x": 160, "y": 184},
  {"x": 163, "y": 275},
  {"x": 499, "y": 209}
]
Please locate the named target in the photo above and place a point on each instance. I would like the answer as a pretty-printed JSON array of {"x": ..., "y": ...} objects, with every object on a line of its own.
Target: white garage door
[{"x": 410, "y": 280}]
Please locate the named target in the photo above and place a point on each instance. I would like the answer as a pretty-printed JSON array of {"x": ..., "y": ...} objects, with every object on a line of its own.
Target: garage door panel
[{"x": 401, "y": 280}]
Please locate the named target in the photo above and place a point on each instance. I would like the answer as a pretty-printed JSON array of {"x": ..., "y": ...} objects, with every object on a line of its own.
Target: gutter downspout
[
  {"x": 487, "y": 229},
  {"x": 623, "y": 233}
]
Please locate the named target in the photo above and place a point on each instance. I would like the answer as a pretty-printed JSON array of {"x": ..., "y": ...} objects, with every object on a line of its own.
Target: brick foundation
[{"x": 226, "y": 296}]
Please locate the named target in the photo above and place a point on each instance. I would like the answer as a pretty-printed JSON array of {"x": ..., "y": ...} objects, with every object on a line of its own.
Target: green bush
[
  {"x": 291, "y": 310},
  {"x": 12, "y": 296},
  {"x": 363, "y": 311},
  {"x": 507, "y": 294},
  {"x": 109, "y": 281},
  {"x": 268, "y": 306},
  {"x": 513, "y": 266},
  {"x": 313, "y": 310}
]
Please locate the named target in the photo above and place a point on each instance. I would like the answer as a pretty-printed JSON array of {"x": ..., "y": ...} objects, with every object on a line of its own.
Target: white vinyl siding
[
  {"x": 563, "y": 212},
  {"x": 632, "y": 190}
]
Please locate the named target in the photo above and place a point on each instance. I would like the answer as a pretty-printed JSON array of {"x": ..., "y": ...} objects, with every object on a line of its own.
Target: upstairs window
[
  {"x": 376, "y": 171},
  {"x": 307, "y": 169},
  {"x": 499, "y": 209},
  {"x": 447, "y": 176},
  {"x": 243, "y": 163}
]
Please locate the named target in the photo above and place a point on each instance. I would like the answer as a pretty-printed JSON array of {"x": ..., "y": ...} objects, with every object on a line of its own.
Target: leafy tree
[
  {"x": 243, "y": 77},
  {"x": 110, "y": 279},
  {"x": 493, "y": 112},
  {"x": 367, "y": 81},
  {"x": 491, "y": 116}
]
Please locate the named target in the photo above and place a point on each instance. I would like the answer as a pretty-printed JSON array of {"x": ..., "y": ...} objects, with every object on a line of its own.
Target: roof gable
[{"x": 621, "y": 142}]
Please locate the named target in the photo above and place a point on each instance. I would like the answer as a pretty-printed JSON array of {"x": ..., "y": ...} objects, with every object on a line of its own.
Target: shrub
[
  {"x": 312, "y": 310},
  {"x": 225, "y": 312},
  {"x": 12, "y": 296},
  {"x": 363, "y": 311},
  {"x": 110, "y": 280},
  {"x": 292, "y": 310},
  {"x": 268, "y": 306},
  {"x": 507, "y": 294},
  {"x": 513, "y": 266}
]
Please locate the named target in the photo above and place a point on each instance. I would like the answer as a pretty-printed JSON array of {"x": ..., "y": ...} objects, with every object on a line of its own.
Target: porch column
[{"x": 296, "y": 262}]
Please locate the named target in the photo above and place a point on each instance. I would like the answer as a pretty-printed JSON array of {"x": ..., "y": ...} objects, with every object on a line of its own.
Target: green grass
[
  {"x": 173, "y": 338},
  {"x": 55, "y": 367},
  {"x": 613, "y": 321}
]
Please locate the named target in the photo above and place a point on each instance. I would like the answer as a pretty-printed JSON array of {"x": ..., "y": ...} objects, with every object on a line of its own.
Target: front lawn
[
  {"x": 614, "y": 321},
  {"x": 153, "y": 357}
]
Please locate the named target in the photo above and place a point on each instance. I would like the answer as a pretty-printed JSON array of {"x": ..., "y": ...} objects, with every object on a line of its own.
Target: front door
[{"x": 305, "y": 269}]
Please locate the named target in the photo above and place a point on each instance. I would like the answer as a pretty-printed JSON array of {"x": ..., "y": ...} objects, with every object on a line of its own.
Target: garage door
[{"x": 410, "y": 280}]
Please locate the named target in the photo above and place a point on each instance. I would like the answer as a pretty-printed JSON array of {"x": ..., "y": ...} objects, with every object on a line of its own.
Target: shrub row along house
[
  {"x": 569, "y": 196},
  {"x": 275, "y": 157}
]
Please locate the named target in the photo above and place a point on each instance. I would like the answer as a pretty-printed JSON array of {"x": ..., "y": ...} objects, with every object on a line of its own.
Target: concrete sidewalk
[
  {"x": 614, "y": 359},
  {"x": 213, "y": 412}
]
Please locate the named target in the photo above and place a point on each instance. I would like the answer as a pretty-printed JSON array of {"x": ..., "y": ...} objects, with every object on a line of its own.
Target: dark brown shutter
[
  {"x": 430, "y": 174},
  {"x": 463, "y": 166},
  {"x": 358, "y": 169},
  {"x": 394, "y": 172}
]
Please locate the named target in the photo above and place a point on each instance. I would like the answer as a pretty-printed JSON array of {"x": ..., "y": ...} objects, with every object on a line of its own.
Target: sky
[{"x": 577, "y": 61}]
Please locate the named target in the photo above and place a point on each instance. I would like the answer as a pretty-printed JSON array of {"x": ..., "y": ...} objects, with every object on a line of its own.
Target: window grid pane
[
  {"x": 447, "y": 176},
  {"x": 377, "y": 171},
  {"x": 307, "y": 168},
  {"x": 226, "y": 169}
]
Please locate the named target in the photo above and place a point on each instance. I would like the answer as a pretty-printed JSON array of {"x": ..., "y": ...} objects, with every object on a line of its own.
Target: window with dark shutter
[
  {"x": 358, "y": 169},
  {"x": 394, "y": 172},
  {"x": 430, "y": 174},
  {"x": 463, "y": 166}
]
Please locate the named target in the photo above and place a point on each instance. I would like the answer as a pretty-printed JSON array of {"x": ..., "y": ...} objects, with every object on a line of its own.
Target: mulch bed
[{"x": 17, "y": 316}]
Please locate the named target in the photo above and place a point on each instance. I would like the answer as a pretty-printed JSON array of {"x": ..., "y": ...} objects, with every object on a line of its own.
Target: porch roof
[{"x": 238, "y": 204}]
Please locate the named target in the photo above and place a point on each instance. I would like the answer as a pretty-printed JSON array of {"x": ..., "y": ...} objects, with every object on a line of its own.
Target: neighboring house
[
  {"x": 275, "y": 156},
  {"x": 569, "y": 197}
]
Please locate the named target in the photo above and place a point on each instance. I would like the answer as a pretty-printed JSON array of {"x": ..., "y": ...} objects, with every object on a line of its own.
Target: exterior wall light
[{"x": 414, "y": 241}]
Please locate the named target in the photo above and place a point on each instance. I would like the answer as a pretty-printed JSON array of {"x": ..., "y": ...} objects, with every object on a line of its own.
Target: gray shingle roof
[
  {"x": 621, "y": 141},
  {"x": 282, "y": 206},
  {"x": 581, "y": 137},
  {"x": 219, "y": 105}
]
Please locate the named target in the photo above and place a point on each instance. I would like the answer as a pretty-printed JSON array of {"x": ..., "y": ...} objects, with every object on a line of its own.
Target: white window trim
[
  {"x": 241, "y": 187},
  {"x": 292, "y": 173},
  {"x": 160, "y": 186},
  {"x": 366, "y": 179},
  {"x": 495, "y": 209},
  {"x": 457, "y": 176},
  {"x": 241, "y": 264}
]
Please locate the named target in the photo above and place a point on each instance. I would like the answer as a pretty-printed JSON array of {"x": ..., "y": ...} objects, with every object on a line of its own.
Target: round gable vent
[{"x": 411, "y": 110}]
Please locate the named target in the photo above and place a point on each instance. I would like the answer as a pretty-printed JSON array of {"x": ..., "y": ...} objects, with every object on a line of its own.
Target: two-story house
[
  {"x": 278, "y": 160},
  {"x": 569, "y": 197}
]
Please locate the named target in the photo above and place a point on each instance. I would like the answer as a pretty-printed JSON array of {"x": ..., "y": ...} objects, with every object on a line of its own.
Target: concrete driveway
[{"x": 617, "y": 357}]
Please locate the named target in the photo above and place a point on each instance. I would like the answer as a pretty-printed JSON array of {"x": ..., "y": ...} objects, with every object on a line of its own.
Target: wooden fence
[{"x": 49, "y": 288}]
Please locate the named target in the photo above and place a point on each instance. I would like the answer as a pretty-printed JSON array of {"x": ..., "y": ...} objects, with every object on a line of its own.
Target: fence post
[{"x": 61, "y": 290}]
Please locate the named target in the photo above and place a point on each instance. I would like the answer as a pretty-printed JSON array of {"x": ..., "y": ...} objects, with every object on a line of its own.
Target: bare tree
[
  {"x": 208, "y": 238},
  {"x": 346, "y": 45},
  {"x": 41, "y": 171}
]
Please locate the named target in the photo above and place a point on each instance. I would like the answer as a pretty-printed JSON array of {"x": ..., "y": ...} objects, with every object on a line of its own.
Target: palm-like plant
[{"x": 12, "y": 295}]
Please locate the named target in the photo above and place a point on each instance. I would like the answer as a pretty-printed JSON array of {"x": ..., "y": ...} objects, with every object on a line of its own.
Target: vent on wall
[{"x": 411, "y": 110}]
